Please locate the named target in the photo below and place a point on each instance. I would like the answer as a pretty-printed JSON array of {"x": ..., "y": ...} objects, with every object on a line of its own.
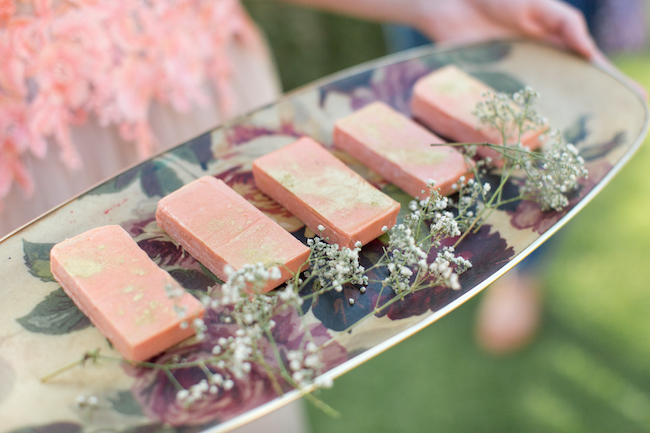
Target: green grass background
[{"x": 588, "y": 370}]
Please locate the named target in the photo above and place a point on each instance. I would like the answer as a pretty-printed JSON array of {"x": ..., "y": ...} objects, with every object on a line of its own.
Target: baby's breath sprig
[
  {"x": 511, "y": 116},
  {"x": 252, "y": 311},
  {"x": 546, "y": 176},
  {"x": 553, "y": 173},
  {"x": 332, "y": 267},
  {"x": 470, "y": 193},
  {"x": 411, "y": 243}
]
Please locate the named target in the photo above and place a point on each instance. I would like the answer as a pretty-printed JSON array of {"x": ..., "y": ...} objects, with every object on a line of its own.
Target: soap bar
[
  {"x": 324, "y": 193},
  {"x": 444, "y": 101},
  {"x": 219, "y": 227},
  {"x": 123, "y": 292},
  {"x": 399, "y": 150}
]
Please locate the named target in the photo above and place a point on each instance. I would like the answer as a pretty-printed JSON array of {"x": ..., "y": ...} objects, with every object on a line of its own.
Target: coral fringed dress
[{"x": 89, "y": 87}]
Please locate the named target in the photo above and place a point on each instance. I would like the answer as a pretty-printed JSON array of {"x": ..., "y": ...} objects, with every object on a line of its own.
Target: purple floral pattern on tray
[
  {"x": 393, "y": 84},
  {"x": 239, "y": 134},
  {"x": 158, "y": 245},
  {"x": 389, "y": 86}
]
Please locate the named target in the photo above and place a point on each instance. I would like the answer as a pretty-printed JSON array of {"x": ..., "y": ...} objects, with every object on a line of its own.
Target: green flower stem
[
  {"x": 171, "y": 366},
  {"x": 206, "y": 371},
  {"x": 414, "y": 288},
  {"x": 317, "y": 402},
  {"x": 498, "y": 147},
  {"x": 381, "y": 292},
  {"x": 471, "y": 226},
  {"x": 458, "y": 144},
  {"x": 94, "y": 355},
  {"x": 259, "y": 357},
  {"x": 274, "y": 347},
  {"x": 173, "y": 379},
  {"x": 271, "y": 375},
  {"x": 510, "y": 200},
  {"x": 378, "y": 309}
]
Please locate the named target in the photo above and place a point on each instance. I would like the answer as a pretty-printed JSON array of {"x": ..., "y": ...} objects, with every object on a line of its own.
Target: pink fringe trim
[{"x": 66, "y": 60}]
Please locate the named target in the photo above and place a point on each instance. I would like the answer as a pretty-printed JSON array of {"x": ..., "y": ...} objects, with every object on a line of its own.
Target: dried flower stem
[{"x": 94, "y": 355}]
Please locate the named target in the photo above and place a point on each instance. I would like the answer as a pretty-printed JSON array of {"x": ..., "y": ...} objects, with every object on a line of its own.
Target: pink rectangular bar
[
  {"x": 123, "y": 292},
  {"x": 445, "y": 99},
  {"x": 219, "y": 227},
  {"x": 322, "y": 191},
  {"x": 399, "y": 149}
]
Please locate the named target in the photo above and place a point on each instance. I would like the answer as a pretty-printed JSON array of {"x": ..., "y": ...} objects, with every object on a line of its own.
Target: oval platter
[{"x": 41, "y": 329}]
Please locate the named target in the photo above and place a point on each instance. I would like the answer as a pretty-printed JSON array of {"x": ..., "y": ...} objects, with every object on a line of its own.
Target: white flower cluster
[
  {"x": 525, "y": 100},
  {"x": 551, "y": 173},
  {"x": 554, "y": 173},
  {"x": 306, "y": 365},
  {"x": 248, "y": 280},
  {"x": 199, "y": 326},
  {"x": 334, "y": 267},
  {"x": 175, "y": 294},
  {"x": 447, "y": 267},
  {"x": 187, "y": 397},
  {"x": 433, "y": 209},
  {"x": 409, "y": 246},
  {"x": 243, "y": 292},
  {"x": 405, "y": 252},
  {"x": 290, "y": 294},
  {"x": 403, "y": 246},
  {"x": 251, "y": 310},
  {"x": 232, "y": 356},
  {"x": 236, "y": 352},
  {"x": 444, "y": 224},
  {"x": 469, "y": 194},
  {"x": 510, "y": 115}
]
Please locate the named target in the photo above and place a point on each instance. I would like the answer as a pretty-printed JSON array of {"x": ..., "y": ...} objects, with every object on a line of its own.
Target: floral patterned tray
[{"x": 41, "y": 329}]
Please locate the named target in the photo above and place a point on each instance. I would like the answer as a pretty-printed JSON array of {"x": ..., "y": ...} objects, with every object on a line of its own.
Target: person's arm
[{"x": 459, "y": 21}]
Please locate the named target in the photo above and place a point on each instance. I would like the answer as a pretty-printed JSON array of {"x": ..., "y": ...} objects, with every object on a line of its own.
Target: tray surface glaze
[{"x": 41, "y": 329}]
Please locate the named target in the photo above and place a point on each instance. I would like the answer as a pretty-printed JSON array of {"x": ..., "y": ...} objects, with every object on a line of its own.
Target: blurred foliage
[
  {"x": 309, "y": 44},
  {"x": 603, "y": 281}
]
